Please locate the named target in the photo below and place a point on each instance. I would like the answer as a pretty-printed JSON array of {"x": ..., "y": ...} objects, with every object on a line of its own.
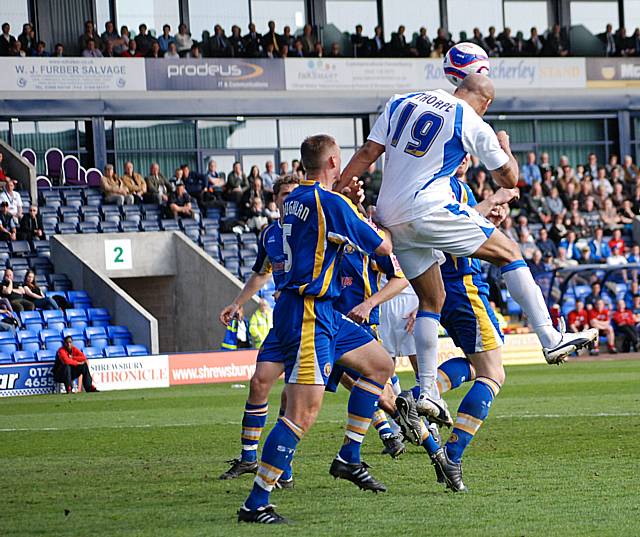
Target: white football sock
[
  {"x": 525, "y": 291},
  {"x": 426, "y": 336}
]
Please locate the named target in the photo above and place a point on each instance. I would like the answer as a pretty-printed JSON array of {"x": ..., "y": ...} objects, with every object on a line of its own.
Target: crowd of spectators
[{"x": 274, "y": 43}]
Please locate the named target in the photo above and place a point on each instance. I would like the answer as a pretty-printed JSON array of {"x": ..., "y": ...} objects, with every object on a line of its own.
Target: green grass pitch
[{"x": 558, "y": 456}]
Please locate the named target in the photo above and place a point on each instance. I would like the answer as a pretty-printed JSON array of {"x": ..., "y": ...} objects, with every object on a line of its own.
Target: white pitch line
[{"x": 168, "y": 425}]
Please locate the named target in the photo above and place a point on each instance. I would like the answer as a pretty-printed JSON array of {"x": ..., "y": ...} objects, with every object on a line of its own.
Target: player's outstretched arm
[
  {"x": 255, "y": 282},
  {"x": 502, "y": 197},
  {"x": 506, "y": 175},
  {"x": 363, "y": 158},
  {"x": 392, "y": 288}
]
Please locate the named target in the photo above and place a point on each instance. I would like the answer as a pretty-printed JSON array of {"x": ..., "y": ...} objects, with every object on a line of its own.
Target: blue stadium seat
[
  {"x": 23, "y": 356},
  {"x": 49, "y": 333},
  {"x": 79, "y": 299},
  {"x": 114, "y": 350},
  {"x": 92, "y": 352},
  {"x": 20, "y": 248},
  {"x": 108, "y": 227},
  {"x": 29, "y": 340},
  {"x": 150, "y": 226},
  {"x": 137, "y": 350},
  {"x": 88, "y": 227},
  {"x": 75, "y": 333},
  {"x": 129, "y": 227},
  {"x": 99, "y": 316},
  {"x": 169, "y": 225},
  {"x": 45, "y": 356},
  {"x": 7, "y": 337},
  {"x": 8, "y": 347},
  {"x": 119, "y": 335},
  {"x": 53, "y": 344},
  {"x": 66, "y": 229},
  {"x": 96, "y": 336},
  {"x": 30, "y": 317},
  {"x": 5, "y": 358},
  {"x": 77, "y": 318}
]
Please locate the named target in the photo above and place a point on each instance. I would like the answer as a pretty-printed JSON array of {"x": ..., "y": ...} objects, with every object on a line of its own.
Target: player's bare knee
[{"x": 259, "y": 388}]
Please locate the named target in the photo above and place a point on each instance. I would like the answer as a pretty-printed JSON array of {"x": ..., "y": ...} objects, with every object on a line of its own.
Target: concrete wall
[
  {"x": 173, "y": 286},
  {"x": 19, "y": 169}
]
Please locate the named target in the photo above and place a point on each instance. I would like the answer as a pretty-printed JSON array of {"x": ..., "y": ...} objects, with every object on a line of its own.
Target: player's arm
[
  {"x": 255, "y": 282},
  {"x": 364, "y": 157},
  {"x": 506, "y": 175},
  {"x": 392, "y": 288}
]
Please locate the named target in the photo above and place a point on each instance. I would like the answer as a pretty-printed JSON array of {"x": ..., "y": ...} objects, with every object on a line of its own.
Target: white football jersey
[{"x": 426, "y": 136}]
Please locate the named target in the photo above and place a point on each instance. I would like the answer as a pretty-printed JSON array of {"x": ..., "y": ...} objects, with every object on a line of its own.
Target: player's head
[
  {"x": 478, "y": 91},
  {"x": 283, "y": 187},
  {"x": 321, "y": 158},
  {"x": 464, "y": 166}
]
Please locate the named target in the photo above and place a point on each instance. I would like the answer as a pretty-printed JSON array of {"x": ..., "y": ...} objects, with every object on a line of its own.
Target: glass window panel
[
  {"x": 294, "y": 131},
  {"x": 359, "y": 137},
  {"x": 631, "y": 15},
  {"x": 595, "y": 15},
  {"x": 577, "y": 153},
  {"x": 257, "y": 159},
  {"x": 459, "y": 19},
  {"x": 205, "y": 14},
  {"x": 521, "y": 16},
  {"x": 103, "y": 14},
  {"x": 571, "y": 130},
  {"x": 42, "y": 135},
  {"x": 153, "y": 13},
  {"x": 244, "y": 134},
  {"x": 288, "y": 155},
  {"x": 394, "y": 14},
  {"x": 4, "y": 131},
  {"x": 224, "y": 162},
  {"x": 16, "y": 13},
  {"x": 152, "y": 135},
  {"x": 282, "y": 12},
  {"x": 168, "y": 161},
  {"x": 519, "y": 131},
  {"x": 346, "y": 14}
]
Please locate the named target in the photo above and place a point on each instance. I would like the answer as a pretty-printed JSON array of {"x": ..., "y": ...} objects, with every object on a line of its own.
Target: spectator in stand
[
  {"x": 377, "y": 44},
  {"x": 236, "y": 183},
  {"x": 91, "y": 51},
  {"x": 609, "y": 216},
  {"x": 270, "y": 51},
  {"x": 298, "y": 51},
  {"x": 183, "y": 40},
  {"x": 260, "y": 324},
  {"x": 41, "y": 50},
  {"x": 335, "y": 51},
  {"x": 218, "y": 46},
  {"x": 359, "y": 43},
  {"x": 570, "y": 246},
  {"x": 423, "y": 43},
  {"x": 527, "y": 244},
  {"x": 17, "y": 50},
  {"x": 531, "y": 171},
  {"x": 591, "y": 167},
  {"x": 634, "y": 255},
  {"x": 509, "y": 230},
  {"x": 284, "y": 168},
  {"x": 630, "y": 169},
  {"x": 591, "y": 215},
  {"x": 256, "y": 190},
  {"x": 155, "y": 51},
  {"x": 398, "y": 46},
  {"x": 269, "y": 176},
  {"x": 134, "y": 182},
  {"x": 6, "y": 40},
  {"x": 70, "y": 364},
  {"x": 180, "y": 202},
  {"x": 492, "y": 44},
  {"x": 214, "y": 188},
  {"x": 318, "y": 51},
  {"x": 3, "y": 175},
  {"x": 122, "y": 44},
  {"x": 608, "y": 40},
  {"x": 597, "y": 294},
  {"x": 31, "y": 228},
  {"x": 214, "y": 178},
  {"x": 172, "y": 52},
  {"x": 535, "y": 44},
  {"x": 194, "y": 53},
  {"x": 144, "y": 40},
  {"x": 562, "y": 262},
  {"x": 34, "y": 294},
  {"x": 271, "y": 211},
  {"x": 537, "y": 264},
  {"x": 600, "y": 318},
  {"x": 554, "y": 202},
  {"x": 108, "y": 51},
  {"x": 507, "y": 43},
  {"x": 569, "y": 195},
  {"x": 308, "y": 40},
  {"x": 58, "y": 50},
  {"x": 158, "y": 186},
  {"x": 253, "y": 42},
  {"x": 114, "y": 189},
  {"x": 194, "y": 182},
  {"x": 165, "y": 39},
  {"x": 618, "y": 197},
  {"x": 110, "y": 34},
  {"x": 617, "y": 241},
  {"x": 536, "y": 204},
  {"x": 555, "y": 43},
  {"x": 14, "y": 293},
  {"x": 254, "y": 173},
  {"x": 617, "y": 259},
  {"x": 256, "y": 217},
  {"x": 177, "y": 176},
  {"x": 477, "y": 39},
  {"x": 237, "y": 42},
  {"x": 287, "y": 39},
  {"x": 443, "y": 40},
  {"x": 578, "y": 319},
  {"x": 272, "y": 37},
  {"x": 601, "y": 180},
  {"x": 132, "y": 50},
  {"x": 89, "y": 33},
  {"x": 13, "y": 198},
  {"x": 27, "y": 39},
  {"x": 585, "y": 256},
  {"x": 626, "y": 323},
  {"x": 7, "y": 224},
  {"x": 545, "y": 244},
  {"x": 600, "y": 250}
]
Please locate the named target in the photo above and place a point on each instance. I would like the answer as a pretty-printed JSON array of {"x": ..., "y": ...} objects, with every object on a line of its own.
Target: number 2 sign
[{"x": 117, "y": 254}]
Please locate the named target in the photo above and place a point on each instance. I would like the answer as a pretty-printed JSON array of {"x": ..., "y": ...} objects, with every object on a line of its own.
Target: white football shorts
[{"x": 395, "y": 339}]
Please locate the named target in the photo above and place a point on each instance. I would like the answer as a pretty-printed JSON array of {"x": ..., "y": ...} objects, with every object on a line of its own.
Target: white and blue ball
[{"x": 464, "y": 59}]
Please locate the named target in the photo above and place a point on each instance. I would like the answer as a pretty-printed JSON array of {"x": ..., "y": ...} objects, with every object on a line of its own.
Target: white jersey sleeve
[
  {"x": 380, "y": 129},
  {"x": 479, "y": 139}
]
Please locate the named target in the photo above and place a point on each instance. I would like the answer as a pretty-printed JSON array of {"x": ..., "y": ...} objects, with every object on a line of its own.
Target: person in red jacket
[
  {"x": 599, "y": 318},
  {"x": 578, "y": 318},
  {"x": 70, "y": 364},
  {"x": 626, "y": 322},
  {"x": 617, "y": 241}
]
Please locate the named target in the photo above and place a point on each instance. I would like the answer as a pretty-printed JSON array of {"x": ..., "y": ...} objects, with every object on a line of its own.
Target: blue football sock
[
  {"x": 473, "y": 410},
  {"x": 381, "y": 424},
  {"x": 277, "y": 453},
  {"x": 453, "y": 373},
  {"x": 253, "y": 421},
  {"x": 395, "y": 384},
  {"x": 363, "y": 402}
]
